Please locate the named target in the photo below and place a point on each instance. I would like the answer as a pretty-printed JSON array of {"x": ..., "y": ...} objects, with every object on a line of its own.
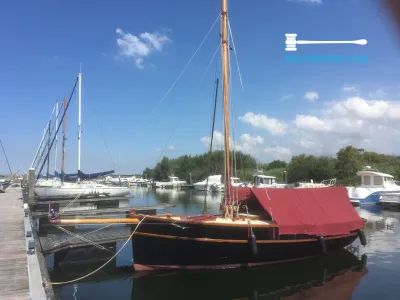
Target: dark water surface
[{"x": 371, "y": 272}]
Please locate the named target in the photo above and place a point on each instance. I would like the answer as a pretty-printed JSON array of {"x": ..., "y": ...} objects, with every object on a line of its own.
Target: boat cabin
[
  {"x": 260, "y": 179},
  {"x": 235, "y": 180},
  {"x": 371, "y": 178},
  {"x": 173, "y": 179}
]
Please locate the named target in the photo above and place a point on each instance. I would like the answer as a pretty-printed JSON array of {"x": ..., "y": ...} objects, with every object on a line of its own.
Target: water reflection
[{"x": 330, "y": 277}]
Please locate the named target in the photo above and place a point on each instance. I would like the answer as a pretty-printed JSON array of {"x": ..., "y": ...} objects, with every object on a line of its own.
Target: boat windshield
[{"x": 389, "y": 180}]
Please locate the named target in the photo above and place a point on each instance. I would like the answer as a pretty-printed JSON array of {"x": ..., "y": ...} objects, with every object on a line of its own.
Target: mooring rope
[
  {"x": 107, "y": 262},
  {"x": 83, "y": 239}
]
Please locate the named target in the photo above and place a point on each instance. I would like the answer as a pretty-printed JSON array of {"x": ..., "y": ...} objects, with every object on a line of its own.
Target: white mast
[
  {"x": 55, "y": 156},
  {"x": 42, "y": 140},
  {"x": 79, "y": 122}
]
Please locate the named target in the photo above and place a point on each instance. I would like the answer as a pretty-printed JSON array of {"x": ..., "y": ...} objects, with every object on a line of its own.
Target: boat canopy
[
  {"x": 315, "y": 211},
  {"x": 82, "y": 176}
]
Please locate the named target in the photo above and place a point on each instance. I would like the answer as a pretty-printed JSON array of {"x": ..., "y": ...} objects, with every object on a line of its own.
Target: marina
[{"x": 206, "y": 191}]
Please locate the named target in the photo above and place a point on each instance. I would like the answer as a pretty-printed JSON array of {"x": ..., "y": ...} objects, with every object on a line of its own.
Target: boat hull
[
  {"x": 372, "y": 199},
  {"x": 210, "y": 247},
  {"x": 72, "y": 192}
]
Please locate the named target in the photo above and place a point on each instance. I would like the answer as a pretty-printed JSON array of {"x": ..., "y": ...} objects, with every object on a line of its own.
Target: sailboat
[
  {"x": 57, "y": 189},
  {"x": 255, "y": 226}
]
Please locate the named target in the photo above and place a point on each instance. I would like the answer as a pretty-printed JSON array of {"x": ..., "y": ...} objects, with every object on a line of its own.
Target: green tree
[
  {"x": 300, "y": 168},
  {"x": 275, "y": 164},
  {"x": 349, "y": 161},
  {"x": 163, "y": 169},
  {"x": 148, "y": 173}
]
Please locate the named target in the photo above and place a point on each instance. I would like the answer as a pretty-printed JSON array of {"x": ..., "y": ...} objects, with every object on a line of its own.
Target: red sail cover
[{"x": 316, "y": 211}]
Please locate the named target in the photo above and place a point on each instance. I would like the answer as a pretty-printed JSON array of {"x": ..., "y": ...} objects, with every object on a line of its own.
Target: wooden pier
[
  {"x": 14, "y": 282},
  {"x": 21, "y": 273}
]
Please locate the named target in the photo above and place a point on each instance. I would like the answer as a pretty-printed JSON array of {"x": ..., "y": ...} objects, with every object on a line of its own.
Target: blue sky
[{"x": 133, "y": 51}]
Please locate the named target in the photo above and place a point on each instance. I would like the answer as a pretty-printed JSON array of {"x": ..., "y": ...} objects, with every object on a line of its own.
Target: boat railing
[{"x": 329, "y": 182}]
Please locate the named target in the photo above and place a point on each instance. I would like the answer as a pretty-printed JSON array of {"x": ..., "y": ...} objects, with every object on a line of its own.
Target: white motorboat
[
  {"x": 214, "y": 181},
  {"x": 376, "y": 187},
  {"x": 172, "y": 182},
  {"x": 264, "y": 181}
]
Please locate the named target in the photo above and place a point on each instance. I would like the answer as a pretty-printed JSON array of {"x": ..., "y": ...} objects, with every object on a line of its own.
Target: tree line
[{"x": 301, "y": 167}]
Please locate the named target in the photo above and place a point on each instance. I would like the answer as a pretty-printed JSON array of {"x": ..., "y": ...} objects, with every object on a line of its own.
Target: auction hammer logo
[{"x": 291, "y": 42}]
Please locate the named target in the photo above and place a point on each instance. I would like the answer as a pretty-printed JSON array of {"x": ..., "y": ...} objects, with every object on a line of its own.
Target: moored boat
[
  {"x": 373, "y": 185},
  {"x": 172, "y": 182},
  {"x": 271, "y": 226}
]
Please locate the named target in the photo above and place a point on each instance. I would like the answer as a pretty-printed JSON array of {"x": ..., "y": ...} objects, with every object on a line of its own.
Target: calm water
[{"x": 370, "y": 272}]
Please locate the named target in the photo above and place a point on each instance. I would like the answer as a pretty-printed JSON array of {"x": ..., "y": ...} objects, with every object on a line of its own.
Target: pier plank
[{"x": 14, "y": 282}]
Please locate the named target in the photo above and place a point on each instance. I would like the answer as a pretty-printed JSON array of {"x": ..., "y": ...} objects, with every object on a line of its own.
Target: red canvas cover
[{"x": 317, "y": 211}]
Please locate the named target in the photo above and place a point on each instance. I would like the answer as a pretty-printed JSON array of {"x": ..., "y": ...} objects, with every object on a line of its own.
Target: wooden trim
[
  {"x": 239, "y": 241},
  {"x": 208, "y": 222}
]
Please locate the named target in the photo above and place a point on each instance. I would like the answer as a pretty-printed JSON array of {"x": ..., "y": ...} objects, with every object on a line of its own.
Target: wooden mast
[
  {"x": 63, "y": 140},
  {"x": 225, "y": 47}
]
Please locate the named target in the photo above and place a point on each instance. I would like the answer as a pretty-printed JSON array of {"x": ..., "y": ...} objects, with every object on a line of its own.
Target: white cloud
[
  {"x": 286, "y": 97},
  {"x": 139, "y": 47},
  {"x": 277, "y": 152},
  {"x": 378, "y": 94},
  {"x": 158, "y": 149},
  {"x": 274, "y": 126},
  {"x": 311, "y": 96},
  {"x": 253, "y": 145},
  {"x": 348, "y": 88},
  {"x": 170, "y": 147},
  {"x": 246, "y": 143},
  {"x": 371, "y": 124}
]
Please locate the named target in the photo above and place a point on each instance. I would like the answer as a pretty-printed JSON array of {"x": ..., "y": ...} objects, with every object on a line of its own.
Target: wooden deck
[{"x": 14, "y": 282}]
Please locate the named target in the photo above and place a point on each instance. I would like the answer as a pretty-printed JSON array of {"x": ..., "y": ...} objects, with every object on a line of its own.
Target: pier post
[{"x": 31, "y": 185}]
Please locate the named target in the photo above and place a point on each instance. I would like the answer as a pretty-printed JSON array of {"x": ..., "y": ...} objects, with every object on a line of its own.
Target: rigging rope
[
  {"x": 83, "y": 239},
  {"x": 181, "y": 119},
  {"x": 42, "y": 139},
  {"x": 102, "y": 133},
  {"x": 107, "y": 262},
  {"x": 59, "y": 125},
  {"x": 184, "y": 69},
  {"x": 86, "y": 233},
  {"x": 211, "y": 144},
  {"x": 234, "y": 51}
]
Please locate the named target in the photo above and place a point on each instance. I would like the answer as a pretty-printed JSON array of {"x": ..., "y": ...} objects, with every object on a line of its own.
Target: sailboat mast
[
  {"x": 55, "y": 155},
  {"x": 48, "y": 151},
  {"x": 63, "y": 140},
  {"x": 79, "y": 122},
  {"x": 5, "y": 155},
  {"x": 225, "y": 47}
]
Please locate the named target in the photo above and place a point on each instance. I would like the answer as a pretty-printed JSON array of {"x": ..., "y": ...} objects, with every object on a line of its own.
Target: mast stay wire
[
  {"x": 42, "y": 139},
  {"x": 234, "y": 165},
  {"x": 59, "y": 125},
  {"x": 101, "y": 130},
  {"x": 184, "y": 69},
  {"x": 184, "y": 116}
]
